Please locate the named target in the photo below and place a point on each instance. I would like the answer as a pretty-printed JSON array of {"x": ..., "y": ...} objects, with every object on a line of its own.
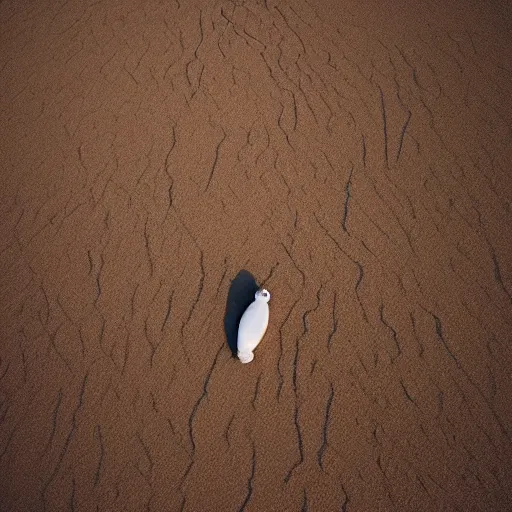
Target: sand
[{"x": 353, "y": 157}]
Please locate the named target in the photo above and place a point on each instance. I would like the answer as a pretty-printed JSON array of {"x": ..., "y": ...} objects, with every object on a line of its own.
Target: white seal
[{"x": 253, "y": 325}]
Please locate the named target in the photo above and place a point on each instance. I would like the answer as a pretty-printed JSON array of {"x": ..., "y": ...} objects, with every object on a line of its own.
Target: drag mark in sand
[
  {"x": 398, "y": 349},
  {"x": 334, "y": 323},
  {"x": 348, "y": 196},
  {"x": 300, "y": 445},
  {"x": 402, "y": 135},
  {"x": 99, "y": 436},
  {"x": 215, "y": 160},
  {"x": 250, "y": 481},
  {"x": 67, "y": 442},
  {"x": 323, "y": 446},
  {"x": 384, "y": 126}
]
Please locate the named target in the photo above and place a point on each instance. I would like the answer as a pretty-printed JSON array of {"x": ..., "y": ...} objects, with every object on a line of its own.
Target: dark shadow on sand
[{"x": 240, "y": 295}]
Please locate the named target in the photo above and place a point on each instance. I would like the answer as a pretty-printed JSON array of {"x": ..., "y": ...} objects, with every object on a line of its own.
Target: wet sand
[{"x": 354, "y": 157}]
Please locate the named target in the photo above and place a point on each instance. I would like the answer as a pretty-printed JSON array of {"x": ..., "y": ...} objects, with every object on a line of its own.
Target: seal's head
[
  {"x": 245, "y": 357},
  {"x": 262, "y": 294}
]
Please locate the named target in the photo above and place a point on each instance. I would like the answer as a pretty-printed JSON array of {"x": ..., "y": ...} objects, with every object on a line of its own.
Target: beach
[{"x": 353, "y": 158}]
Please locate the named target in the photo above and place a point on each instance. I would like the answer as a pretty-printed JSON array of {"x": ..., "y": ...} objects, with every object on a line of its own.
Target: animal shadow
[{"x": 240, "y": 295}]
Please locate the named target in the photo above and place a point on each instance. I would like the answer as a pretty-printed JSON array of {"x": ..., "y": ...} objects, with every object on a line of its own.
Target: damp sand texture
[{"x": 354, "y": 157}]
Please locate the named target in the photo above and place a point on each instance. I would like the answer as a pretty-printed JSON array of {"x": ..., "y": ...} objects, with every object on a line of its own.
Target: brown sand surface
[{"x": 354, "y": 157}]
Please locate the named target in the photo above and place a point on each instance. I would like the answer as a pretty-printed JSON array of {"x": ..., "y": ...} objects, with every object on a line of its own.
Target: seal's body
[{"x": 253, "y": 325}]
